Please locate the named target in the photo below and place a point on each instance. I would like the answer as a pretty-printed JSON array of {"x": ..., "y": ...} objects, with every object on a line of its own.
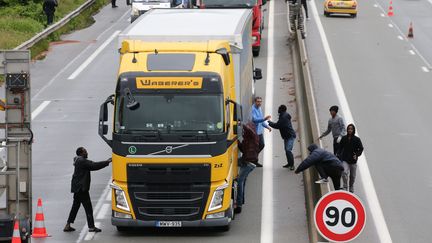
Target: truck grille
[{"x": 168, "y": 192}]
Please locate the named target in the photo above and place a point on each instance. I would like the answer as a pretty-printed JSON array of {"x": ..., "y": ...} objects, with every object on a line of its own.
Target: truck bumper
[{"x": 196, "y": 223}]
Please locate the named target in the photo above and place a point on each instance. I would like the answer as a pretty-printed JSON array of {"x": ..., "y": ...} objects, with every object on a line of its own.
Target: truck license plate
[{"x": 168, "y": 224}]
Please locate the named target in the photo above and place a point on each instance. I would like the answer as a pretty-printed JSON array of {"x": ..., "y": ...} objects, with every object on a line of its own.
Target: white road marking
[
  {"x": 103, "y": 211},
  {"x": 267, "y": 183},
  {"x": 412, "y": 52},
  {"x": 90, "y": 235},
  {"x": 383, "y": 15},
  {"x": 129, "y": 19},
  {"x": 39, "y": 109},
  {"x": 108, "y": 196},
  {"x": 390, "y": 25},
  {"x": 93, "y": 56},
  {"x": 400, "y": 37},
  {"x": 364, "y": 173},
  {"x": 97, "y": 209},
  {"x": 375, "y": 5},
  {"x": 73, "y": 60},
  {"x": 425, "y": 69},
  {"x": 430, "y": 1}
]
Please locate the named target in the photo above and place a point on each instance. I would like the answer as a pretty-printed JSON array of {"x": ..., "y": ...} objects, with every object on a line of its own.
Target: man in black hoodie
[
  {"x": 287, "y": 133},
  {"x": 80, "y": 187},
  {"x": 350, "y": 148},
  {"x": 49, "y": 7},
  {"x": 327, "y": 164}
]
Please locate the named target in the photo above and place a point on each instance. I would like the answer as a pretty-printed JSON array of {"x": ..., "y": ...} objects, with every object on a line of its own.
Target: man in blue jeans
[
  {"x": 250, "y": 150},
  {"x": 287, "y": 133},
  {"x": 260, "y": 123}
]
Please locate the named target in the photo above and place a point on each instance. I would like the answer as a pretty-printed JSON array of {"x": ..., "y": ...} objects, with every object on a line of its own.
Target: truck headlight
[
  {"x": 135, "y": 11},
  {"x": 120, "y": 198},
  {"x": 217, "y": 199}
]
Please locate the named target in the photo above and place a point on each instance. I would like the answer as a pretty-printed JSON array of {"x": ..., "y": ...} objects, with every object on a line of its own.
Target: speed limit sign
[{"x": 340, "y": 216}]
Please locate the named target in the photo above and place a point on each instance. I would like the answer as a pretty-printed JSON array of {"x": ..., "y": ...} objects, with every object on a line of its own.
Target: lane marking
[
  {"x": 84, "y": 230},
  {"x": 412, "y": 52},
  {"x": 103, "y": 211},
  {"x": 430, "y": 1},
  {"x": 390, "y": 25},
  {"x": 382, "y": 15},
  {"x": 375, "y": 5},
  {"x": 366, "y": 178},
  {"x": 425, "y": 69},
  {"x": 93, "y": 56},
  {"x": 108, "y": 196},
  {"x": 267, "y": 183},
  {"x": 39, "y": 109},
  {"x": 91, "y": 235},
  {"x": 73, "y": 60},
  {"x": 400, "y": 37}
]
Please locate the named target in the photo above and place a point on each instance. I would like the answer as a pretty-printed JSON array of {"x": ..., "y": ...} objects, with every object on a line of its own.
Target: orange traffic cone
[
  {"x": 410, "y": 31},
  {"x": 390, "y": 10},
  {"x": 16, "y": 237},
  {"x": 39, "y": 230}
]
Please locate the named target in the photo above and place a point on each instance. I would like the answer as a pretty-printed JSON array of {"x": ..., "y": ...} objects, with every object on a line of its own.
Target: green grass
[{"x": 18, "y": 23}]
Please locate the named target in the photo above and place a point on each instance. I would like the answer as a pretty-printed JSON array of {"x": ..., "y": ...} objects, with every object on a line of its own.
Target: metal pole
[{"x": 18, "y": 177}]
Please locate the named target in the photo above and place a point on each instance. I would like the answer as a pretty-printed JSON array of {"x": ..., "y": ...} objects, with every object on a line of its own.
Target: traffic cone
[
  {"x": 410, "y": 31},
  {"x": 390, "y": 10},
  {"x": 39, "y": 231},
  {"x": 16, "y": 237}
]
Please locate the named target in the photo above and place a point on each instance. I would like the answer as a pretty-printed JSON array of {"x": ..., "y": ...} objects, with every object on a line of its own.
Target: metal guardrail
[
  {"x": 308, "y": 129},
  {"x": 55, "y": 26}
]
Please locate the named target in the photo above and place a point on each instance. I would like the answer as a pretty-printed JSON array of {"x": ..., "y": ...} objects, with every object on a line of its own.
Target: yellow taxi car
[{"x": 340, "y": 7}]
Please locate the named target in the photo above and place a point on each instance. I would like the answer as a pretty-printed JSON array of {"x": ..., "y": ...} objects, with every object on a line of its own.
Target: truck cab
[{"x": 258, "y": 16}]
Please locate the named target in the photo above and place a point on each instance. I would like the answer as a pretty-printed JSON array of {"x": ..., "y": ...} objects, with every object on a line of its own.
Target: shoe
[
  {"x": 292, "y": 167},
  {"x": 258, "y": 164},
  {"x": 237, "y": 210},
  {"x": 321, "y": 181},
  {"x": 303, "y": 36},
  {"x": 308, "y": 18},
  {"x": 115, "y": 6},
  {"x": 68, "y": 228},
  {"x": 286, "y": 166},
  {"x": 94, "y": 229}
]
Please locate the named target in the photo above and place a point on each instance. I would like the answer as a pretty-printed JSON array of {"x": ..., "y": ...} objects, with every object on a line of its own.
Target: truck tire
[
  {"x": 123, "y": 228},
  {"x": 353, "y": 15},
  {"x": 256, "y": 51}
]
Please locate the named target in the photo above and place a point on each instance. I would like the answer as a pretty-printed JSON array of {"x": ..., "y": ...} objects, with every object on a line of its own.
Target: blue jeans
[
  {"x": 245, "y": 169},
  {"x": 288, "y": 145}
]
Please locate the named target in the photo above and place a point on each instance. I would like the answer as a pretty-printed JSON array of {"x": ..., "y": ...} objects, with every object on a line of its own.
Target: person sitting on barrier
[
  {"x": 327, "y": 164},
  {"x": 250, "y": 150}
]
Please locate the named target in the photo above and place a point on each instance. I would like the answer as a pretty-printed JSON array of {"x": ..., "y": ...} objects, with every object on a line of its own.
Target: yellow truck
[{"x": 184, "y": 84}]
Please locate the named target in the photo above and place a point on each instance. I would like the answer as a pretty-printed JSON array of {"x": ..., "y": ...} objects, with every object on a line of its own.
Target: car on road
[{"x": 340, "y": 7}]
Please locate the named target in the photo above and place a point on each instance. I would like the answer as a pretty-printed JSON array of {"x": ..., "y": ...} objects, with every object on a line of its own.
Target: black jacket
[
  {"x": 320, "y": 157},
  {"x": 284, "y": 125},
  {"x": 49, "y": 6},
  {"x": 81, "y": 176},
  {"x": 348, "y": 147},
  {"x": 250, "y": 144}
]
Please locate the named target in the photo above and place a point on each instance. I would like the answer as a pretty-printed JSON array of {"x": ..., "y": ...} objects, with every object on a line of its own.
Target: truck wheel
[
  {"x": 353, "y": 15},
  {"x": 256, "y": 51},
  {"x": 122, "y": 229},
  {"x": 224, "y": 228}
]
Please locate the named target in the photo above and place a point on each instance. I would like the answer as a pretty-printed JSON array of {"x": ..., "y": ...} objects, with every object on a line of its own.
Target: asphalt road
[
  {"x": 71, "y": 102},
  {"x": 387, "y": 81}
]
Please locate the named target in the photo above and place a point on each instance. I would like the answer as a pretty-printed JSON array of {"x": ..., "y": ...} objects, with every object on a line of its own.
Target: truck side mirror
[
  {"x": 258, "y": 73},
  {"x": 103, "y": 117},
  {"x": 225, "y": 55}
]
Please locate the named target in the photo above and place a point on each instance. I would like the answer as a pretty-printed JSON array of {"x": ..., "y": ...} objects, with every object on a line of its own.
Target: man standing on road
[
  {"x": 327, "y": 164},
  {"x": 304, "y": 4},
  {"x": 287, "y": 133},
  {"x": 49, "y": 9},
  {"x": 250, "y": 150},
  {"x": 80, "y": 187},
  {"x": 296, "y": 13},
  {"x": 336, "y": 125},
  {"x": 260, "y": 123},
  {"x": 350, "y": 148}
]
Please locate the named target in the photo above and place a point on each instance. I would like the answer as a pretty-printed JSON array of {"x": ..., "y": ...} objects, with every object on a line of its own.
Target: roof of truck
[{"x": 189, "y": 25}]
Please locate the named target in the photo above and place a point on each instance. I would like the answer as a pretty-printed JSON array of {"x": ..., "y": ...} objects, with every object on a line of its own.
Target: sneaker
[
  {"x": 114, "y": 6},
  {"x": 321, "y": 181},
  {"x": 292, "y": 167},
  {"x": 94, "y": 229},
  {"x": 258, "y": 164},
  {"x": 238, "y": 210},
  {"x": 303, "y": 36},
  {"x": 68, "y": 228},
  {"x": 286, "y": 166}
]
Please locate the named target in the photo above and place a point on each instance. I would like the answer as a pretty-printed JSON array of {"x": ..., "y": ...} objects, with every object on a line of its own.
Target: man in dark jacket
[
  {"x": 49, "y": 9},
  {"x": 327, "y": 164},
  {"x": 80, "y": 187},
  {"x": 287, "y": 133},
  {"x": 350, "y": 148},
  {"x": 250, "y": 149}
]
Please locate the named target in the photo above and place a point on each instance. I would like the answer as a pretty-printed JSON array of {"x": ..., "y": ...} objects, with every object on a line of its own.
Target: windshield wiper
[
  {"x": 144, "y": 133},
  {"x": 191, "y": 134}
]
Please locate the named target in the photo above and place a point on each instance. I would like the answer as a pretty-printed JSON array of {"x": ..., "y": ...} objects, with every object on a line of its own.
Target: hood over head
[
  {"x": 312, "y": 147},
  {"x": 354, "y": 129}
]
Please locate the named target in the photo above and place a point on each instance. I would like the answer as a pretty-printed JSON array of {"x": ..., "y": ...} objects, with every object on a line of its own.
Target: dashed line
[
  {"x": 108, "y": 196},
  {"x": 39, "y": 109},
  {"x": 400, "y": 37},
  {"x": 376, "y": 5},
  {"x": 390, "y": 25},
  {"x": 103, "y": 211},
  {"x": 91, "y": 235},
  {"x": 425, "y": 69},
  {"x": 412, "y": 52},
  {"x": 382, "y": 15}
]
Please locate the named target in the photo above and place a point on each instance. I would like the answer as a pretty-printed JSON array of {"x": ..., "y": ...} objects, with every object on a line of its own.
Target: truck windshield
[
  {"x": 170, "y": 113},
  {"x": 229, "y": 3}
]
